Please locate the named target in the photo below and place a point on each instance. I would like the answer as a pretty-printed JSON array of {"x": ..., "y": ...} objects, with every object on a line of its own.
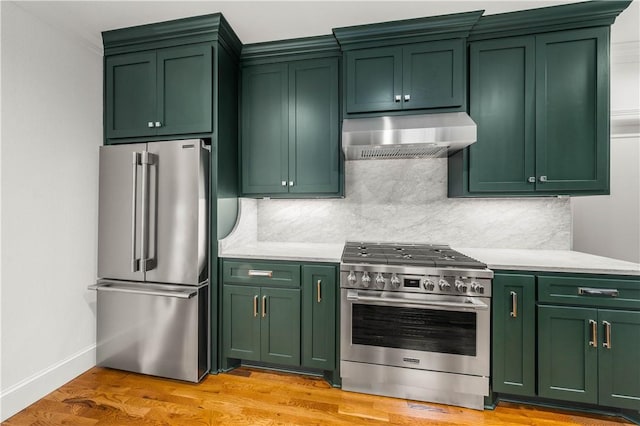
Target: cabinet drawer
[
  {"x": 589, "y": 291},
  {"x": 261, "y": 273}
]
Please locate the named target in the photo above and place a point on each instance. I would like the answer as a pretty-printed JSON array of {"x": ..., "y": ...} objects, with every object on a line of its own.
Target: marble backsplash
[{"x": 406, "y": 201}]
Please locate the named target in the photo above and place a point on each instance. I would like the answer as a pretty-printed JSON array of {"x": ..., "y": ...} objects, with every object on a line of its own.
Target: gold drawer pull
[{"x": 259, "y": 273}]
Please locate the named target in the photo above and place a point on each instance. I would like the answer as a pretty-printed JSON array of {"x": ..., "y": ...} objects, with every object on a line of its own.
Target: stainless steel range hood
[{"x": 407, "y": 136}]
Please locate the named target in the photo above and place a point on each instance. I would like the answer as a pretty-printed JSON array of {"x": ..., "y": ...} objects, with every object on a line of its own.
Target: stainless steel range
[{"x": 415, "y": 323}]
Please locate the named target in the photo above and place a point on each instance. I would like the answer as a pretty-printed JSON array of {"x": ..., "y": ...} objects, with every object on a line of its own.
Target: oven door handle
[{"x": 473, "y": 304}]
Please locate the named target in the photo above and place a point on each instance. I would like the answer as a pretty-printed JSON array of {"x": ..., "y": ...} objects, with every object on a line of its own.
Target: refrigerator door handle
[
  {"x": 147, "y": 159},
  {"x": 135, "y": 265},
  {"x": 180, "y": 294}
]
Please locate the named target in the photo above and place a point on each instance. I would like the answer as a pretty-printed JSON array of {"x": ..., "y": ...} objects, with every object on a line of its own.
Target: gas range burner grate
[{"x": 430, "y": 255}]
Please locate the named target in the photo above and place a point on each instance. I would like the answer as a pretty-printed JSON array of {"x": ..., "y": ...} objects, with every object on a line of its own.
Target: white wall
[
  {"x": 52, "y": 127},
  {"x": 610, "y": 225}
]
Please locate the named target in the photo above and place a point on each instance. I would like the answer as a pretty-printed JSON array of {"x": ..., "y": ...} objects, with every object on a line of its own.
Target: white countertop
[
  {"x": 305, "y": 252},
  {"x": 550, "y": 261},
  {"x": 505, "y": 259}
]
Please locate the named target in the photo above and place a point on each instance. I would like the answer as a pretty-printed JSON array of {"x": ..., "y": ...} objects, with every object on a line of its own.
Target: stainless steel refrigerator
[{"x": 152, "y": 289}]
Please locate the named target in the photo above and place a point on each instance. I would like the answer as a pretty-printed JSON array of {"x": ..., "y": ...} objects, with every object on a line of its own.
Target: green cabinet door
[
  {"x": 514, "y": 338},
  {"x": 184, "y": 90},
  {"x": 502, "y": 98},
  {"x": 319, "y": 317},
  {"x": 619, "y": 360},
  {"x": 314, "y": 127},
  {"x": 433, "y": 74},
  {"x": 241, "y": 322},
  {"x": 280, "y": 326},
  {"x": 567, "y": 357},
  {"x": 374, "y": 79},
  {"x": 572, "y": 110},
  {"x": 130, "y": 95},
  {"x": 265, "y": 127}
]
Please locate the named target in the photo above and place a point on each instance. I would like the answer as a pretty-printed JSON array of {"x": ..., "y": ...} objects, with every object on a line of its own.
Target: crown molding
[
  {"x": 546, "y": 19},
  {"x": 455, "y": 25},
  {"x": 205, "y": 28},
  {"x": 291, "y": 49}
]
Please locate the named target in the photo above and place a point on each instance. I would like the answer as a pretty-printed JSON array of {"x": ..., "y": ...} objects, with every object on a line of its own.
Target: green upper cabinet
[
  {"x": 174, "y": 79},
  {"x": 265, "y": 127},
  {"x": 539, "y": 94},
  {"x": 398, "y": 67},
  {"x": 290, "y": 143},
  {"x": 502, "y": 103},
  {"x": 514, "y": 334},
  {"x": 572, "y": 111},
  {"x": 415, "y": 76},
  {"x": 130, "y": 94},
  {"x": 159, "y": 92},
  {"x": 314, "y": 122},
  {"x": 374, "y": 79},
  {"x": 184, "y": 90},
  {"x": 541, "y": 104}
]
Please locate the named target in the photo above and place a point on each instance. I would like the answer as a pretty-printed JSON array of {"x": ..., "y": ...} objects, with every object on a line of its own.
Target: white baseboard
[{"x": 31, "y": 389}]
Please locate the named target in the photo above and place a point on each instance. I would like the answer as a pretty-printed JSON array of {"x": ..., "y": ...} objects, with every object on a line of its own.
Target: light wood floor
[{"x": 255, "y": 397}]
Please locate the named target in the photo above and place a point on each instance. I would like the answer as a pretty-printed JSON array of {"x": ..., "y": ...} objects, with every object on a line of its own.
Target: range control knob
[
  {"x": 351, "y": 278},
  {"x": 444, "y": 285},
  {"x": 395, "y": 281},
  {"x": 366, "y": 279},
  {"x": 478, "y": 288},
  {"x": 461, "y": 286},
  {"x": 428, "y": 285},
  {"x": 379, "y": 281}
]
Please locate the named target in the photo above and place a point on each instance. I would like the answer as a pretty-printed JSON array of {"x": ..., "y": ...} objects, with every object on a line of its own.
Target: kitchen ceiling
[{"x": 258, "y": 21}]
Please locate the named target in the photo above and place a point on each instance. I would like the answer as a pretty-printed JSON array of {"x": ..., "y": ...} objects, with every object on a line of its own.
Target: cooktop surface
[{"x": 429, "y": 255}]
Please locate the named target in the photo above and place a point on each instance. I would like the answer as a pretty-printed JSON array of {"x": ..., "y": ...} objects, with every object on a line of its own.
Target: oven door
[{"x": 423, "y": 331}]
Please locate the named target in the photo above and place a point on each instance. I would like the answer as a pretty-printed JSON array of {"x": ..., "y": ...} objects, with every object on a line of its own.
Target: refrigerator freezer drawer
[{"x": 155, "y": 329}]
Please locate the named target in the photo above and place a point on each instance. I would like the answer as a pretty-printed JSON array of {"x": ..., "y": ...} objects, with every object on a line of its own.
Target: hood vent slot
[
  {"x": 417, "y": 151},
  {"x": 407, "y": 136}
]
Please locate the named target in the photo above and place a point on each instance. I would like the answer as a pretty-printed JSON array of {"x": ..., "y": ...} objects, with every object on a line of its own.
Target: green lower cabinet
[
  {"x": 514, "y": 334},
  {"x": 241, "y": 322},
  {"x": 568, "y": 353},
  {"x": 619, "y": 359},
  {"x": 319, "y": 317},
  {"x": 262, "y": 324},
  {"x": 281, "y": 313},
  {"x": 280, "y": 329}
]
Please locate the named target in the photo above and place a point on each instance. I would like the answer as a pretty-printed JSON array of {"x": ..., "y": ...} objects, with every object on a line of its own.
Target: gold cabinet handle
[
  {"x": 607, "y": 334},
  {"x": 594, "y": 334},
  {"x": 255, "y": 306},
  {"x": 514, "y": 305},
  {"x": 264, "y": 306},
  {"x": 318, "y": 285}
]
